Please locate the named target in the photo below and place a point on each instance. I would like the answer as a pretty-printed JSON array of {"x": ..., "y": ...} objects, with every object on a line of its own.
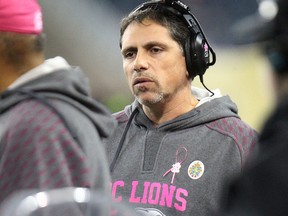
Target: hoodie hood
[
  {"x": 63, "y": 82},
  {"x": 209, "y": 108}
]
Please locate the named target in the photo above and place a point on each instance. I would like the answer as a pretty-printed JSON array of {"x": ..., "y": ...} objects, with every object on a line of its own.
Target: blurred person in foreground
[
  {"x": 263, "y": 189},
  {"x": 51, "y": 129},
  {"x": 175, "y": 147}
]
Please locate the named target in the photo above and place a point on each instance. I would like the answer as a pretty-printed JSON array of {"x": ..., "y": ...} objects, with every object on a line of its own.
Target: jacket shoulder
[
  {"x": 243, "y": 135},
  {"x": 233, "y": 126},
  {"x": 121, "y": 116}
]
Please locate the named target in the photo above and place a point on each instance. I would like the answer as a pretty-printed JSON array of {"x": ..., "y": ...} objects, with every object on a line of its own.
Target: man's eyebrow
[
  {"x": 155, "y": 43},
  {"x": 130, "y": 48}
]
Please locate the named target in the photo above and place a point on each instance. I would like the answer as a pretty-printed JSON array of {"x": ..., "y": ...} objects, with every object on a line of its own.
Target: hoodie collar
[{"x": 205, "y": 96}]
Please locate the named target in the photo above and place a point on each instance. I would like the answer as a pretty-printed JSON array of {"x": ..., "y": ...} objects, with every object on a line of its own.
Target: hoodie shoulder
[
  {"x": 244, "y": 136},
  {"x": 121, "y": 116}
]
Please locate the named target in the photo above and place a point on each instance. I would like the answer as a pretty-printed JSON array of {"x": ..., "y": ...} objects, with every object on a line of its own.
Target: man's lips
[{"x": 140, "y": 80}]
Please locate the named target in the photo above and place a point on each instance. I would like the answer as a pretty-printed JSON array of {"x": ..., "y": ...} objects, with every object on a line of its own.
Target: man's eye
[
  {"x": 156, "y": 50},
  {"x": 129, "y": 54}
]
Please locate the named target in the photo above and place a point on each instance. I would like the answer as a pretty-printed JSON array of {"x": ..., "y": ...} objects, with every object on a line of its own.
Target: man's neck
[
  {"x": 165, "y": 111},
  {"x": 9, "y": 73}
]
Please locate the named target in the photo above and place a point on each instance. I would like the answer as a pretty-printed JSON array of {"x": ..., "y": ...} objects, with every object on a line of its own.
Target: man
[
  {"x": 50, "y": 127},
  {"x": 263, "y": 189},
  {"x": 174, "y": 149}
]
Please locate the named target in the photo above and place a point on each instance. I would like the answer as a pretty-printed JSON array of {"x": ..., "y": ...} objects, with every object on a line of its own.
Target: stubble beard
[{"x": 157, "y": 97}]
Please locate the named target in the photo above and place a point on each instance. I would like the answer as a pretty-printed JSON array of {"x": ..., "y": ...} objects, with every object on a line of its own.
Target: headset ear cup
[
  {"x": 197, "y": 57},
  {"x": 199, "y": 54}
]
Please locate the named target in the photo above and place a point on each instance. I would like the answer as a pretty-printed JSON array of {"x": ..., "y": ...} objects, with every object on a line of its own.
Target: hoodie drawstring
[{"x": 121, "y": 143}]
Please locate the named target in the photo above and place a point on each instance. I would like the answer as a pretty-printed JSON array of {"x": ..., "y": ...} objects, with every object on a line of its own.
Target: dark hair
[
  {"x": 163, "y": 16},
  {"x": 15, "y": 48}
]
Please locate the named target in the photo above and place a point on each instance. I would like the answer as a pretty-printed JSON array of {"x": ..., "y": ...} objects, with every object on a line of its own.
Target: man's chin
[{"x": 149, "y": 99}]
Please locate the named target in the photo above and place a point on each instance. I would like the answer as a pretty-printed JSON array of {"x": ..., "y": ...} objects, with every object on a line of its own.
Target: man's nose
[{"x": 140, "y": 62}]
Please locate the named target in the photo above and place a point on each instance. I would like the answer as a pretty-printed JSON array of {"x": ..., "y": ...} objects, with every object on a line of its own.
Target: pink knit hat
[{"x": 20, "y": 16}]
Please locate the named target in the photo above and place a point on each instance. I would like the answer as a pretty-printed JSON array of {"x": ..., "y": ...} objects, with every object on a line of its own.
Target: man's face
[{"x": 153, "y": 63}]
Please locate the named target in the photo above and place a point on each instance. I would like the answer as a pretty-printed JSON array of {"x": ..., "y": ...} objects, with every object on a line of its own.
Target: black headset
[{"x": 197, "y": 49}]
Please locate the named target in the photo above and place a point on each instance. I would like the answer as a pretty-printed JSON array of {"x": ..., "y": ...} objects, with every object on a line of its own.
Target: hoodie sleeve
[{"x": 39, "y": 152}]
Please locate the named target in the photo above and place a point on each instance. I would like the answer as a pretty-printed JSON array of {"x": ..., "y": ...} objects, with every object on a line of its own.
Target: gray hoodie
[
  {"x": 51, "y": 132},
  {"x": 178, "y": 167}
]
